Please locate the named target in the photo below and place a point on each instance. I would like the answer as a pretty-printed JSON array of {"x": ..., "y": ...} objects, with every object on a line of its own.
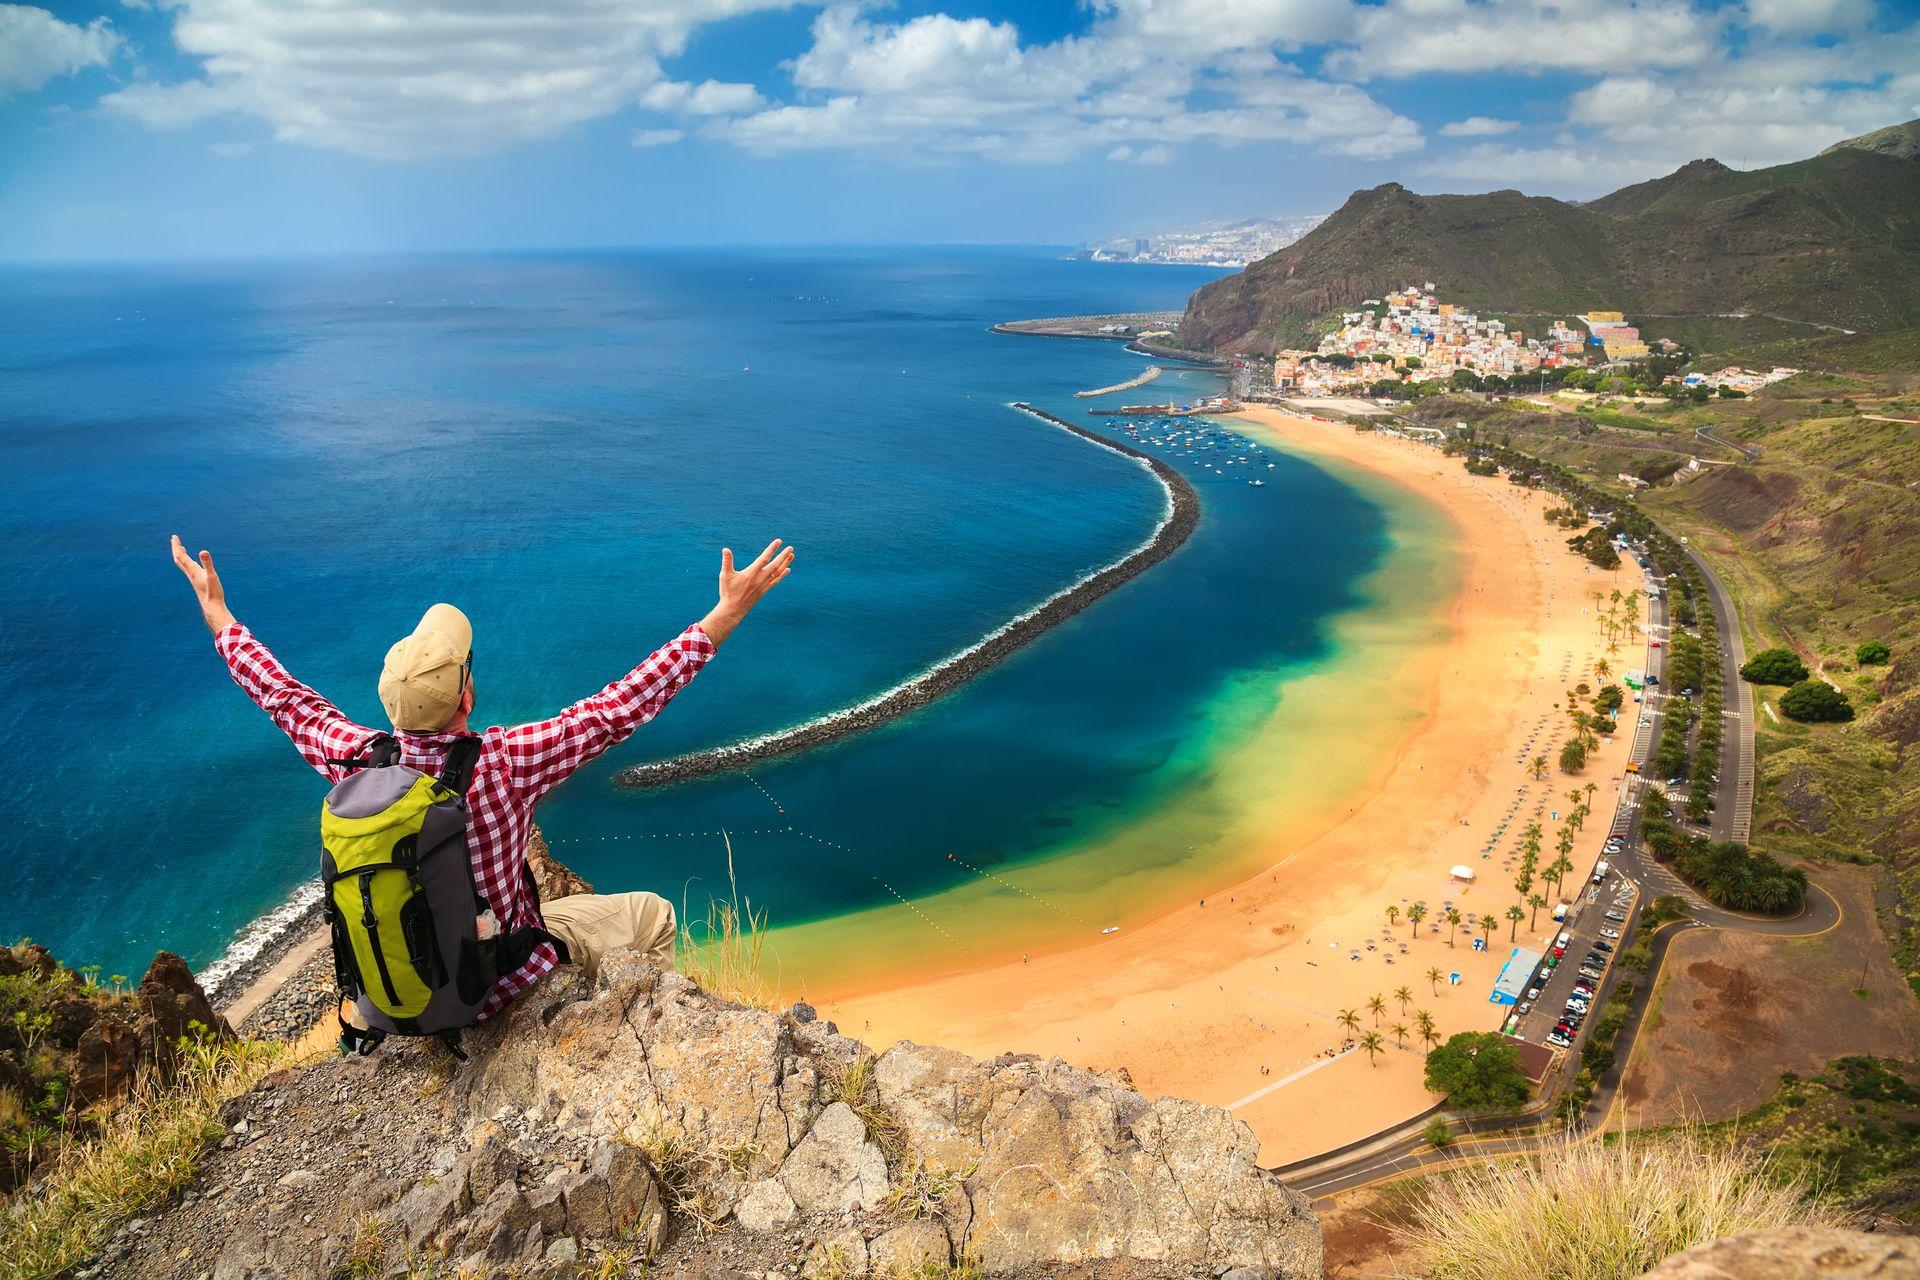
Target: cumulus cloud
[
  {"x": 1413, "y": 37},
  {"x": 392, "y": 79},
  {"x": 1146, "y": 77},
  {"x": 708, "y": 98},
  {"x": 35, "y": 47},
  {"x": 1811, "y": 17},
  {"x": 1478, "y": 127}
]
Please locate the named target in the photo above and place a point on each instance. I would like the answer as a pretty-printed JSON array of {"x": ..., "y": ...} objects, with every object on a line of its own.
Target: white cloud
[
  {"x": 1811, "y": 17},
  {"x": 1478, "y": 127},
  {"x": 394, "y": 79},
  {"x": 1147, "y": 76},
  {"x": 657, "y": 137},
  {"x": 1414, "y": 37},
  {"x": 708, "y": 98},
  {"x": 35, "y": 47}
]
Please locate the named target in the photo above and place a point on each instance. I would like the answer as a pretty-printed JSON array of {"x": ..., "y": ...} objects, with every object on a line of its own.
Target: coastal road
[
  {"x": 1637, "y": 880},
  {"x": 1746, "y": 451}
]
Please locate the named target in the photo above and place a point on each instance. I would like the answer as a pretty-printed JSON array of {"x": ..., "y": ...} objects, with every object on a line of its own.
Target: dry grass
[
  {"x": 854, "y": 1085},
  {"x": 1598, "y": 1211},
  {"x": 145, "y": 1151},
  {"x": 728, "y": 957}
]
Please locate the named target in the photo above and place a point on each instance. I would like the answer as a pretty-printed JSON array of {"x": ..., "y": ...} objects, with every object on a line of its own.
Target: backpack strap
[
  {"x": 380, "y": 751},
  {"x": 457, "y": 774}
]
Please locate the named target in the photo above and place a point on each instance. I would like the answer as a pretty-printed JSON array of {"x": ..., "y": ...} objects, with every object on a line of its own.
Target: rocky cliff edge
[{"x": 602, "y": 1122}]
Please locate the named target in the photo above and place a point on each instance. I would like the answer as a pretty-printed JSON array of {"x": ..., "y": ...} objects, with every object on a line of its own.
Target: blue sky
[{"x": 162, "y": 128}]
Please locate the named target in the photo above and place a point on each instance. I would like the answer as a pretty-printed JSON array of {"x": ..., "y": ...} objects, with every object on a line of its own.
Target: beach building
[{"x": 1512, "y": 979}]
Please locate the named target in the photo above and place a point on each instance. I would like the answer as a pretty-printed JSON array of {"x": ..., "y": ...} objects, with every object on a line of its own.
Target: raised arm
[
  {"x": 317, "y": 728},
  {"x": 541, "y": 755}
]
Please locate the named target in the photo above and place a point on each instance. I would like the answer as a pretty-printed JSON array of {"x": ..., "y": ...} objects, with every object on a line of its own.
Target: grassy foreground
[
  {"x": 1593, "y": 1210},
  {"x": 149, "y": 1148}
]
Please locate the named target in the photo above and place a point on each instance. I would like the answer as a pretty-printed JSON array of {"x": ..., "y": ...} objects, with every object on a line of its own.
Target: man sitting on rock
[{"x": 427, "y": 689}]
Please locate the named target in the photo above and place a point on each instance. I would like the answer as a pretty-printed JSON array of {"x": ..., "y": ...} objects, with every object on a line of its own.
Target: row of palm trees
[
  {"x": 1372, "y": 1043},
  {"x": 1621, "y": 616}
]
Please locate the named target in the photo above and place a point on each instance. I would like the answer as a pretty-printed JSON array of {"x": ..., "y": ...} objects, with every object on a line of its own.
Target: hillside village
[{"x": 1410, "y": 337}]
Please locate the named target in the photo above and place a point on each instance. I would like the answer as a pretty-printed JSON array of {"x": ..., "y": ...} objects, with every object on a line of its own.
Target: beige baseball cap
[{"x": 426, "y": 673}]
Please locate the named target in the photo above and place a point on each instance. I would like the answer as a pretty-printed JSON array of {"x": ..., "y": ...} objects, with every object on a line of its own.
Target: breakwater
[
  {"x": 1147, "y": 375},
  {"x": 1177, "y": 523}
]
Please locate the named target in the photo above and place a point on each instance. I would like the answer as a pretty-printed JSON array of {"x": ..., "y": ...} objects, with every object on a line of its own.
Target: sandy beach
[{"x": 1235, "y": 999}]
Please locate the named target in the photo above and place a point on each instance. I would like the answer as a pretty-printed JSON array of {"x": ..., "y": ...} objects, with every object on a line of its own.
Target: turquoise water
[{"x": 560, "y": 444}]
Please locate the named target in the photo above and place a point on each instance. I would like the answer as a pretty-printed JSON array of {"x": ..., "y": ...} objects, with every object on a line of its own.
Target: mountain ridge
[{"x": 1833, "y": 240}]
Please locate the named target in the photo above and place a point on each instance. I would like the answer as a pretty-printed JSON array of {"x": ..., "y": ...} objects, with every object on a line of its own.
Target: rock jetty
[{"x": 1176, "y": 526}]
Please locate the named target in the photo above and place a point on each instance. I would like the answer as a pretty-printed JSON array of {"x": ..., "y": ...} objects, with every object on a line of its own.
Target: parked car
[
  {"x": 1617, "y": 917},
  {"x": 1606, "y": 947},
  {"x": 1559, "y": 1039},
  {"x": 1610, "y": 933},
  {"x": 1589, "y": 971},
  {"x": 1524, "y": 1007},
  {"x": 1584, "y": 985},
  {"x": 1533, "y": 993},
  {"x": 1558, "y": 952}
]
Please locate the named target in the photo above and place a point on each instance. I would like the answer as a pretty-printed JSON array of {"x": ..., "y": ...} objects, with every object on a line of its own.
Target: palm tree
[
  {"x": 1371, "y": 1043},
  {"x": 1376, "y": 1006},
  {"x": 1423, "y": 1023},
  {"x": 1415, "y": 914},
  {"x": 1535, "y": 901},
  {"x": 1404, "y": 995},
  {"x": 1603, "y": 668},
  {"x": 1399, "y": 1033},
  {"x": 1487, "y": 925},
  {"x": 1515, "y": 914},
  {"x": 1590, "y": 788},
  {"x": 1453, "y": 923},
  {"x": 1523, "y": 881},
  {"x": 1433, "y": 978},
  {"x": 1537, "y": 767},
  {"x": 1393, "y": 918},
  {"x": 1350, "y": 1020}
]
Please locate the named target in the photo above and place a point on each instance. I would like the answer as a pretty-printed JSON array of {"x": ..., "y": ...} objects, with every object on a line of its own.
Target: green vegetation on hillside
[
  {"x": 1832, "y": 240},
  {"x": 1774, "y": 666}
]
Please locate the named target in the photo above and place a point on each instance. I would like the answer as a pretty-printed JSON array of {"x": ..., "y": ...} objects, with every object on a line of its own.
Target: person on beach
[{"x": 427, "y": 688}]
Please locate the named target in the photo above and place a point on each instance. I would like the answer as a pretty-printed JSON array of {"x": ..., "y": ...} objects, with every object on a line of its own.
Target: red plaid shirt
[{"x": 517, "y": 766}]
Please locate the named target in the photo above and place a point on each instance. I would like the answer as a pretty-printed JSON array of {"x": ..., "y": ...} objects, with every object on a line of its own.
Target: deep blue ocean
[{"x": 560, "y": 444}]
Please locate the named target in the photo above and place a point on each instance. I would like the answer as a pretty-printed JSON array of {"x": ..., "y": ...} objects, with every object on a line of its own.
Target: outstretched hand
[
  {"x": 206, "y": 586},
  {"x": 741, "y": 589}
]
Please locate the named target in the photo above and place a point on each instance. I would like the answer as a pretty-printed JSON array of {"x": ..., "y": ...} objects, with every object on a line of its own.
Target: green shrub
[
  {"x": 1815, "y": 701},
  {"x": 1774, "y": 666},
  {"x": 1477, "y": 1070},
  {"x": 1872, "y": 653}
]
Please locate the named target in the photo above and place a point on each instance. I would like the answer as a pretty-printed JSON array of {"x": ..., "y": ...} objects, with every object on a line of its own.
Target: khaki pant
[{"x": 592, "y": 924}]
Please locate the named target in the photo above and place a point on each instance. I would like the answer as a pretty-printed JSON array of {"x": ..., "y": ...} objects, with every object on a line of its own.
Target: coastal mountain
[
  {"x": 1833, "y": 240},
  {"x": 1901, "y": 141}
]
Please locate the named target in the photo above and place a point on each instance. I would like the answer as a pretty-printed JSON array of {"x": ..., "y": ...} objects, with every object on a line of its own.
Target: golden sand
[{"x": 1235, "y": 1000}]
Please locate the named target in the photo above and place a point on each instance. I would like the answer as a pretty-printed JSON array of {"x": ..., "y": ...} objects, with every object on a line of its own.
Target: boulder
[
  {"x": 1797, "y": 1253},
  {"x": 765, "y": 1207},
  {"x": 836, "y": 1167},
  {"x": 910, "y": 1248},
  {"x": 837, "y": 1255}
]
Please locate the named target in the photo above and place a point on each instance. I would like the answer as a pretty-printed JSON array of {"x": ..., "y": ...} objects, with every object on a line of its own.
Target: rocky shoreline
[{"x": 1183, "y": 515}]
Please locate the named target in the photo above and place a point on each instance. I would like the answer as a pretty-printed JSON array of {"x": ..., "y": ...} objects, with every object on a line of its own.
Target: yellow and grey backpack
[{"x": 399, "y": 894}]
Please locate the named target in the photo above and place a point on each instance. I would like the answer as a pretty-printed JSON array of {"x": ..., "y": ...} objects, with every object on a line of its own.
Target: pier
[{"x": 1151, "y": 372}]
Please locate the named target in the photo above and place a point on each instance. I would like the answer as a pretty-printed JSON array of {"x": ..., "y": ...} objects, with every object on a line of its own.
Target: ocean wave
[{"x": 260, "y": 943}]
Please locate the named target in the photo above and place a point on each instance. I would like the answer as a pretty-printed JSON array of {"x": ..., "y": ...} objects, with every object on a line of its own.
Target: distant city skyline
[{"x": 171, "y": 128}]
